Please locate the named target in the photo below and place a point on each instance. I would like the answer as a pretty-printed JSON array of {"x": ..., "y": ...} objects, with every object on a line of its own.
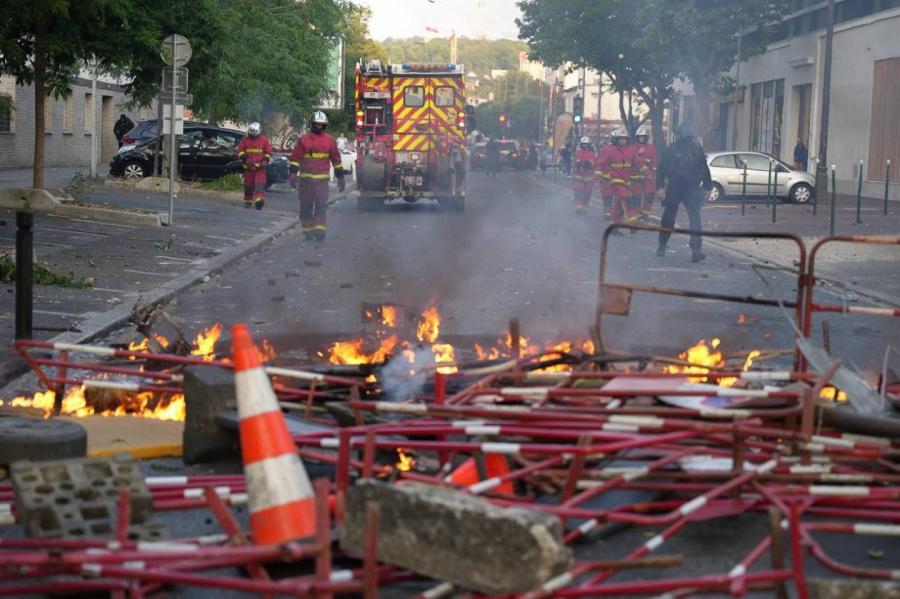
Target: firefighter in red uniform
[
  {"x": 618, "y": 163},
  {"x": 254, "y": 151},
  {"x": 314, "y": 155},
  {"x": 646, "y": 159},
  {"x": 601, "y": 177},
  {"x": 583, "y": 175}
]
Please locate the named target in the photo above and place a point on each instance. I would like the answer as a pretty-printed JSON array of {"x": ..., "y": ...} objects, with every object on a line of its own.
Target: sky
[{"x": 471, "y": 18}]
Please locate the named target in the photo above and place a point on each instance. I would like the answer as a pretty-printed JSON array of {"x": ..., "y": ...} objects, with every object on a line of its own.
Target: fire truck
[{"x": 410, "y": 133}]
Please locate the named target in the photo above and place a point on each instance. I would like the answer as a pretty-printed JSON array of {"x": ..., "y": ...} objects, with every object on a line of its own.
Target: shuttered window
[{"x": 884, "y": 130}]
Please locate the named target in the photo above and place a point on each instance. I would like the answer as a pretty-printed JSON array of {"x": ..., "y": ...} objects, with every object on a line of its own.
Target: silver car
[{"x": 727, "y": 170}]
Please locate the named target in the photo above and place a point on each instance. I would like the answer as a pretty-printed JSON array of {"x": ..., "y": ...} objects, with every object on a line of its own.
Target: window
[
  {"x": 6, "y": 113},
  {"x": 190, "y": 138},
  {"x": 755, "y": 162},
  {"x": 88, "y": 113},
  {"x": 725, "y": 161},
  {"x": 414, "y": 96},
  {"x": 213, "y": 140},
  {"x": 766, "y": 105},
  {"x": 68, "y": 114},
  {"x": 444, "y": 97}
]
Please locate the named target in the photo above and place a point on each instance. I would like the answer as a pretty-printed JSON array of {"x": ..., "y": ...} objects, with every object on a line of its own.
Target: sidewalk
[
  {"x": 55, "y": 177},
  {"x": 129, "y": 263}
]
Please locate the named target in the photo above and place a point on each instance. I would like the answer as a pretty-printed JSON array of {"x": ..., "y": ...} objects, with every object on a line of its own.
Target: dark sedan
[
  {"x": 510, "y": 154},
  {"x": 205, "y": 152}
]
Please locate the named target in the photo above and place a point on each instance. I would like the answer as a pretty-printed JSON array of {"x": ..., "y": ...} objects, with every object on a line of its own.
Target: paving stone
[{"x": 451, "y": 536}]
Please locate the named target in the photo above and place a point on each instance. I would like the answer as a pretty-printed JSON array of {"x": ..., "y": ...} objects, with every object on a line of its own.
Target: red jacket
[
  {"x": 255, "y": 152},
  {"x": 314, "y": 155},
  {"x": 583, "y": 170},
  {"x": 618, "y": 162},
  {"x": 645, "y": 179}
]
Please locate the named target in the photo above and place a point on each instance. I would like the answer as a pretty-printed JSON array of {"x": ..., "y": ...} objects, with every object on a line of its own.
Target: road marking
[{"x": 52, "y": 313}]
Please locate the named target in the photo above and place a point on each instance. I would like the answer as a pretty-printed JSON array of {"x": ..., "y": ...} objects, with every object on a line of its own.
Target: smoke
[{"x": 405, "y": 374}]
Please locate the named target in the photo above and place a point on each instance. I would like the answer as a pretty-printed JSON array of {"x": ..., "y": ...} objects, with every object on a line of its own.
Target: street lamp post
[{"x": 822, "y": 167}]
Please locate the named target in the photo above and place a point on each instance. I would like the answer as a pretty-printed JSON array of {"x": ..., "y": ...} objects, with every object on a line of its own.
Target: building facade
[
  {"x": 69, "y": 122},
  {"x": 778, "y": 96}
]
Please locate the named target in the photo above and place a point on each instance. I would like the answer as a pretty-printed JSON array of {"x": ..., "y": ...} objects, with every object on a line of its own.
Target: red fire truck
[{"x": 410, "y": 133}]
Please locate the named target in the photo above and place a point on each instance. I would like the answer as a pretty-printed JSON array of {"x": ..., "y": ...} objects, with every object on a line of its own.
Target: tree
[{"x": 478, "y": 55}]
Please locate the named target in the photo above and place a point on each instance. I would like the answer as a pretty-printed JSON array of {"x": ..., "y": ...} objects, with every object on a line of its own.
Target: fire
[
  {"x": 702, "y": 357},
  {"x": 444, "y": 353},
  {"x": 430, "y": 326},
  {"x": 352, "y": 352},
  {"x": 833, "y": 394},
  {"x": 741, "y": 319},
  {"x": 265, "y": 352},
  {"x": 75, "y": 403},
  {"x": 405, "y": 461},
  {"x": 205, "y": 343},
  {"x": 389, "y": 316}
]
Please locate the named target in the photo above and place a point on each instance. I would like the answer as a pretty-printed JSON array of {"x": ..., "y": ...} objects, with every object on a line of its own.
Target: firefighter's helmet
[
  {"x": 584, "y": 141},
  {"x": 318, "y": 122},
  {"x": 254, "y": 129},
  {"x": 642, "y": 132},
  {"x": 619, "y": 134}
]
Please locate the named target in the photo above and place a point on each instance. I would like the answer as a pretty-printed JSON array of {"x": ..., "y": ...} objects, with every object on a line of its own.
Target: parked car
[
  {"x": 143, "y": 131},
  {"x": 510, "y": 154},
  {"x": 205, "y": 152},
  {"x": 727, "y": 172}
]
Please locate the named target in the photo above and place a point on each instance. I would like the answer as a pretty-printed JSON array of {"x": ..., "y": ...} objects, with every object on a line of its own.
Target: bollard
[
  {"x": 24, "y": 274},
  {"x": 775, "y": 194},
  {"x": 859, "y": 194},
  {"x": 769, "y": 184},
  {"x": 833, "y": 198},
  {"x": 816, "y": 194},
  {"x": 887, "y": 179},
  {"x": 744, "y": 190}
]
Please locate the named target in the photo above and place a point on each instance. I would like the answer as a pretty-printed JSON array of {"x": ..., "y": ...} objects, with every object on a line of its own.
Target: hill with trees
[{"x": 479, "y": 55}]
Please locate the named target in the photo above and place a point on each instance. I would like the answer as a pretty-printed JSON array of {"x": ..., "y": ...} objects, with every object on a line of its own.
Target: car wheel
[
  {"x": 133, "y": 170},
  {"x": 801, "y": 193},
  {"x": 716, "y": 193}
]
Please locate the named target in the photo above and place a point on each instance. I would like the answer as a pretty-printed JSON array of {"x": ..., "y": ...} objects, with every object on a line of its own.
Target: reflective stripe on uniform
[
  {"x": 618, "y": 181},
  {"x": 315, "y": 175},
  {"x": 620, "y": 164},
  {"x": 295, "y": 163},
  {"x": 253, "y": 150},
  {"x": 317, "y": 155}
]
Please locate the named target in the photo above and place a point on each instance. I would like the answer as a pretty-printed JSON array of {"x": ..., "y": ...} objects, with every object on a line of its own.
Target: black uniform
[
  {"x": 492, "y": 157},
  {"x": 122, "y": 126},
  {"x": 684, "y": 174}
]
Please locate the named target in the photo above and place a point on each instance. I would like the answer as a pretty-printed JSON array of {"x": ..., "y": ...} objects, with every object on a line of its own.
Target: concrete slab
[{"x": 140, "y": 437}]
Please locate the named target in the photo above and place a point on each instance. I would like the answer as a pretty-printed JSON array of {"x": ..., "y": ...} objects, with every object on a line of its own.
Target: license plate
[{"x": 417, "y": 181}]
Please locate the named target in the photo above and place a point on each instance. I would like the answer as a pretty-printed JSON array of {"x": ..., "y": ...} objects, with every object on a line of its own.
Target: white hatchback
[{"x": 727, "y": 171}]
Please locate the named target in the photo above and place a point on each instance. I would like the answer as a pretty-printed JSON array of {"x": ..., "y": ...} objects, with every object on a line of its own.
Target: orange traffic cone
[
  {"x": 495, "y": 465},
  {"x": 280, "y": 498}
]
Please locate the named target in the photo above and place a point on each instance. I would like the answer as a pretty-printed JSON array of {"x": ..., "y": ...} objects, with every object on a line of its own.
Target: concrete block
[
  {"x": 159, "y": 184},
  {"x": 451, "y": 536},
  {"x": 39, "y": 439},
  {"x": 207, "y": 392},
  {"x": 79, "y": 498},
  {"x": 821, "y": 588}
]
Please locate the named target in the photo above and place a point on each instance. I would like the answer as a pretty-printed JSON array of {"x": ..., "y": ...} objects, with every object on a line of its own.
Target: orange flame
[
  {"x": 702, "y": 357},
  {"x": 389, "y": 316},
  {"x": 444, "y": 353},
  {"x": 131, "y": 404},
  {"x": 833, "y": 394},
  {"x": 430, "y": 326},
  {"x": 351, "y": 352},
  {"x": 405, "y": 461},
  {"x": 205, "y": 343}
]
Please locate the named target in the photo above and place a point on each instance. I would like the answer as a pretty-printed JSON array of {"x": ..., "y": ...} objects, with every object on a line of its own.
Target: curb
[
  {"x": 98, "y": 324},
  {"x": 44, "y": 202}
]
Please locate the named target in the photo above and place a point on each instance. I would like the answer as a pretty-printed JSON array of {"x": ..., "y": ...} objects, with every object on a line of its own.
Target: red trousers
[
  {"x": 313, "y": 194},
  {"x": 254, "y": 185}
]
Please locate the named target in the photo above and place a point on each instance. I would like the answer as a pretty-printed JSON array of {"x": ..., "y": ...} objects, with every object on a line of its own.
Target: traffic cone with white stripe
[
  {"x": 281, "y": 500},
  {"x": 495, "y": 466}
]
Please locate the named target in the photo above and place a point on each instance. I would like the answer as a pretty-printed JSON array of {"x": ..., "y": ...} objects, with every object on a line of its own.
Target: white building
[{"x": 778, "y": 98}]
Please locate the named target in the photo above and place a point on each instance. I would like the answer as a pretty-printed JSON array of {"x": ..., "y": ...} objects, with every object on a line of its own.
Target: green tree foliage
[
  {"x": 479, "y": 55},
  {"x": 643, "y": 46},
  {"x": 523, "y": 116}
]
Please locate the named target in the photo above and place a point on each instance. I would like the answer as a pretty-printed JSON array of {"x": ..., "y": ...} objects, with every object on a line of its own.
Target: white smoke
[{"x": 405, "y": 374}]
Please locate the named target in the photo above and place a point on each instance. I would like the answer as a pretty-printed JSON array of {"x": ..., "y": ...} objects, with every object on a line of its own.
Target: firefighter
[
  {"x": 583, "y": 175},
  {"x": 618, "y": 163},
  {"x": 314, "y": 155},
  {"x": 601, "y": 178},
  {"x": 254, "y": 151},
  {"x": 645, "y": 191}
]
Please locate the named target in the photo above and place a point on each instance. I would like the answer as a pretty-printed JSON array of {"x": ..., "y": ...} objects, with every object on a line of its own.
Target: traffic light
[
  {"x": 501, "y": 119},
  {"x": 578, "y": 108}
]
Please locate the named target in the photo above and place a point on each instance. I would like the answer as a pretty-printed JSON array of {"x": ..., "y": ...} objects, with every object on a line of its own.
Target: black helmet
[{"x": 686, "y": 130}]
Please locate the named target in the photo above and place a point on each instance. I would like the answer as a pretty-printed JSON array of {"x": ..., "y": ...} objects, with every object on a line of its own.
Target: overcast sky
[{"x": 471, "y": 18}]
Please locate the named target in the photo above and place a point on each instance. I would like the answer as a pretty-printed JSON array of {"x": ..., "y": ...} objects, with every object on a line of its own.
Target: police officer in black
[{"x": 683, "y": 178}]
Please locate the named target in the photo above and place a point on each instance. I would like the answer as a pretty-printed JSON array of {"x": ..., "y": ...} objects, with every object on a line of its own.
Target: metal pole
[
  {"x": 833, "y": 198},
  {"x": 887, "y": 179},
  {"x": 822, "y": 170},
  {"x": 173, "y": 157},
  {"x": 815, "y": 197},
  {"x": 24, "y": 274},
  {"x": 769, "y": 184},
  {"x": 775, "y": 194},
  {"x": 744, "y": 190},
  {"x": 859, "y": 194},
  {"x": 94, "y": 123}
]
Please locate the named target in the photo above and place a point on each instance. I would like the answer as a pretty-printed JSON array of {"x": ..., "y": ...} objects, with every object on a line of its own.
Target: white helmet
[
  {"x": 619, "y": 133},
  {"x": 318, "y": 122},
  {"x": 585, "y": 141},
  {"x": 642, "y": 132},
  {"x": 254, "y": 129}
]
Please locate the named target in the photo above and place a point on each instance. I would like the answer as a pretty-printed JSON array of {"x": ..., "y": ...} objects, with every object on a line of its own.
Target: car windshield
[{"x": 507, "y": 146}]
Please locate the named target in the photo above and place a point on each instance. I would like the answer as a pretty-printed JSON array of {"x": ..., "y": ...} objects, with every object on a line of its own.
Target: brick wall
[{"x": 68, "y": 131}]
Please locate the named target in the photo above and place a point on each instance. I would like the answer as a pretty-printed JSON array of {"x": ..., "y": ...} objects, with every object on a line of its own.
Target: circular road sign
[{"x": 175, "y": 50}]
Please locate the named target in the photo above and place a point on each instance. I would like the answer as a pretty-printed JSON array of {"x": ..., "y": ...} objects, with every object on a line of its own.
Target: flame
[
  {"x": 832, "y": 394},
  {"x": 265, "y": 352},
  {"x": 405, "y": 461},
  {"x": 703, "y": 357},
  {"x": 170, "y": 407},
  {"x": 205, "y": 342},
  {"x": 389, "y": 316},
  {"x": 430, "y": 326},
  {"x": 741, "y": 319},
  {"x": 351, "y": 352}
]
